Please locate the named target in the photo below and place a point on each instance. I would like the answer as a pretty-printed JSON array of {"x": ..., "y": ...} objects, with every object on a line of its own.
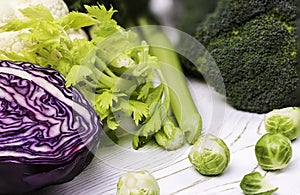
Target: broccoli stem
[{"x": 182, "y": 104}]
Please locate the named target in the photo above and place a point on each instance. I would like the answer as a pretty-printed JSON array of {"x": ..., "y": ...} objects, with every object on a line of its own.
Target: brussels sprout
[
  {"x": 285, "y": 121},
  {"x": 137, "y": 183},
  {"x": 254, "y": 183},
  {"x": 273, "y": 151},
  {"x": 209, "y": 155}
]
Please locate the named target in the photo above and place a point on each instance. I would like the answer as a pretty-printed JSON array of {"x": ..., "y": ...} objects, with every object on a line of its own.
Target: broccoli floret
[{"x": 254, "y": 44}]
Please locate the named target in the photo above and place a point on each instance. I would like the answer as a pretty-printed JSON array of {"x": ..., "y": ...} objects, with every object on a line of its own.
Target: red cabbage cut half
[{"x": 48, "y": 133}]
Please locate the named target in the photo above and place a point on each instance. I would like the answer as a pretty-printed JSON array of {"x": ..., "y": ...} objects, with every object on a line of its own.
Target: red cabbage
[{"x": 48, "y": 133}]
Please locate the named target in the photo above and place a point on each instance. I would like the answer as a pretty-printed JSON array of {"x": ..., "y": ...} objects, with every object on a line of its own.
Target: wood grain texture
[{"x": 172, "y": 169}]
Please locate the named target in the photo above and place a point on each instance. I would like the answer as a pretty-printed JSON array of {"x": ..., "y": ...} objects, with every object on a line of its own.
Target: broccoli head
[{"x": 254, "y": 44}]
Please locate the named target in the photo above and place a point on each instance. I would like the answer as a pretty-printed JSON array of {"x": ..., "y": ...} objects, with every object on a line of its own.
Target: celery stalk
[{"x": 182, "y": 104}]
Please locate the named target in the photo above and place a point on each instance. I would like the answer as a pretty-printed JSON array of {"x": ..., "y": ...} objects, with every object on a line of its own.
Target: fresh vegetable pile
[
  {"x": 114, "y": 70},
  {"x": 57, "y": 81},
  {"x": 139, "y": 16},
  {"x": 48, "y": 133}
]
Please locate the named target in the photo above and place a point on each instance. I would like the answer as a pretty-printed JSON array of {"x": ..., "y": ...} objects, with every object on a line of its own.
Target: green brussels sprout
[
  {"x": 273, "y": 151},
  {"x": 256, "y": 184},
  {"x": 137, "y": 183},
  {"x": 209, "y": 155},
  {"x": 285, "y": 121}
]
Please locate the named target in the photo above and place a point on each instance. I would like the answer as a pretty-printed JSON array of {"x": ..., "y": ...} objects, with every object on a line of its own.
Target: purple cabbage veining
[{"x": 48, "y": 133}]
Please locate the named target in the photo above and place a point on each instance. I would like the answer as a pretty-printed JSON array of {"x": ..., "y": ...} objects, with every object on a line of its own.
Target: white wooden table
[{"x": 173, "y": 171}]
